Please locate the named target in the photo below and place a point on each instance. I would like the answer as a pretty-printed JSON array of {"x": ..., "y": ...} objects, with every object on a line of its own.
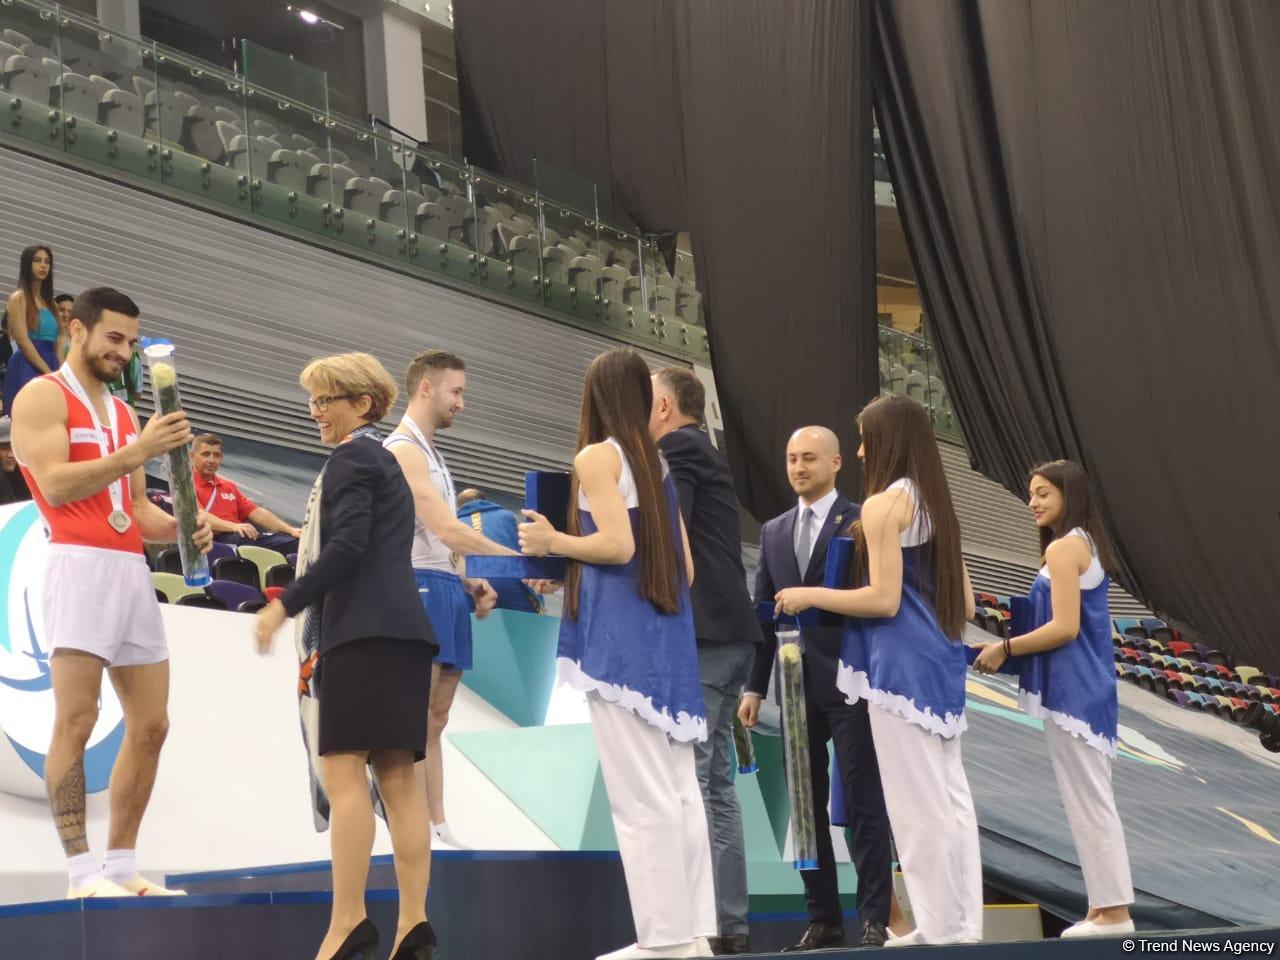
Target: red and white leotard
[{"x": 84, "y": 522}]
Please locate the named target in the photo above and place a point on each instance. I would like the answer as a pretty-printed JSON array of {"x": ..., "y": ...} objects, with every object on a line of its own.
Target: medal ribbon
[
  {"x": 437, "y": 461},
  {"x": 115, "y": 489}
]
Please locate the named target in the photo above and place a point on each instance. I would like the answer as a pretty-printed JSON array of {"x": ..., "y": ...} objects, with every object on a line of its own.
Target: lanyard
[
  {"x": 367, "y": 430},
  {"x": 208, "y": 507},
  {"x": 115, "y": 489},
  {"x": 437, "y": 461}
]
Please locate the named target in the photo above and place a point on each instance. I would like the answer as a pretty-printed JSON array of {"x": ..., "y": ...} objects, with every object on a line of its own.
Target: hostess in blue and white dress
[
  {"x": 621, "y": 647},
  {"x": 905, "y": 664},
  {"x": 1074, "y": 685}
]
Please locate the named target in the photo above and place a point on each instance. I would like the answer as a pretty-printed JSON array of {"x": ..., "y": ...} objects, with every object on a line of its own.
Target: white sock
[
  {"x": 120, "y": 865},
  {"x": 83, "y": 870}
]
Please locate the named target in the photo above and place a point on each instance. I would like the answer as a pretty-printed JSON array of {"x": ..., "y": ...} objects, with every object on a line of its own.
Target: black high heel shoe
[
  {"x": 418, "y": 944},
  {"x": 361, "y": 943}
]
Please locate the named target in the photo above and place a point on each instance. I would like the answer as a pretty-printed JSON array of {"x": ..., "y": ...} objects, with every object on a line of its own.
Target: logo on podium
[{"x": 26, "y": 682}]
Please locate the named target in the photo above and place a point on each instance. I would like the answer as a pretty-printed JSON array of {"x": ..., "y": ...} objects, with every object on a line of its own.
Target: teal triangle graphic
[
  {"x": 515, "y": 663},
  {"x": 553, "y": 775}
]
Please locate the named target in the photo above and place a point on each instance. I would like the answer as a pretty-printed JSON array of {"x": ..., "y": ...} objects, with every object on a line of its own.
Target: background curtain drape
[
  {"x": 747, "y": 124},
  {"x": 1090, "y": 197}
]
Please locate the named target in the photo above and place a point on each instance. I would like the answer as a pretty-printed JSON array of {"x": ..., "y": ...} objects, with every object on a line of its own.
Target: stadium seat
[
  {"x": 584, "y": 273},
  {"x": 172, "y": 586},
  {"x": 80, "y": 98},
  {"x": 1146, "y": 678},
  {"x": 1173, "y": 679},
  {"x": 169, "y": 560},
  {"x": 1180, "y": 697},
  {"x": 281, "y": 575},
  {"x": 161, "y": 597},
  {"x": 28, "y": 79},
  {"x": 1136, "y": 630},
  {"x": 1181, "y": 648},
  {"x": 1247, "y": 674},
  {"x": 219, "y": 550},
  {"x": 202, "y": 600},
  {"x": 986, "y": 599},
  {"x": 237, "y": 596},
  {"x": 1239, "y": 708},
  {"x": 688, "y": 302},
  {"x": 1153, "y": 623},
  {"x": 363, "y": 195},
  {"x": 263, "y": 559},
  {"x": 237, "y": 570}
]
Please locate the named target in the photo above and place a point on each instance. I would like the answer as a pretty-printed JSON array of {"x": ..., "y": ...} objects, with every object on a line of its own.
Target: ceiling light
[{"x": 311, "y": 18}]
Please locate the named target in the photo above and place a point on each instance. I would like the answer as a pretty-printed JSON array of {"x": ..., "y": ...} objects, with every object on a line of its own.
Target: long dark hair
[
  {"x": 898, "y": 442},
  {"x": 27, "y": 283},
  {"x": 1079, "y": 508},
  {"x": 616, "y": 400}
]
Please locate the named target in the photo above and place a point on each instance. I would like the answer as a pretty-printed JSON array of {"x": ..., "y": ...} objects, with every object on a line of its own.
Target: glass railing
[
  {"x": 269, "y": 148},
  {"x": 909, "y": 365}
]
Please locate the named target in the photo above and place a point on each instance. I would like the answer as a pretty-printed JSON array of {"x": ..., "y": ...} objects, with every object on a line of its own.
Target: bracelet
[{"x": 1008, "y": 649}]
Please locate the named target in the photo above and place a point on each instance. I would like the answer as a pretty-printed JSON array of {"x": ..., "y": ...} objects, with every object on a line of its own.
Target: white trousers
[
  {"x": 934, "y": 827},
  {"x": 1084, "y": 779},
  {"x": 661, "y": 826}
]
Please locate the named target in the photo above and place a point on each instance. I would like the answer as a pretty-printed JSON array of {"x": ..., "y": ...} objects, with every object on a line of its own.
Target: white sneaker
[
  {"x": 677, "y": 951},
  {"x": 99, "y": 888},
  {"x": 1090, "y": 928},
  {"x": 140, "y": 886},
  {"x": 912, "y": 939}
]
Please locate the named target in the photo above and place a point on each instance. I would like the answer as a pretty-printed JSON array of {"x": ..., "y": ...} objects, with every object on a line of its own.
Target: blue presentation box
[
  {"x": 546, "y": 493},
  {"x": 835, "y": 577}
]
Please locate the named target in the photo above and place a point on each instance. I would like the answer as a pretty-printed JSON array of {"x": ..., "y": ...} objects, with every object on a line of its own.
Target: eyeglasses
[{"x": 321, "y": 404}]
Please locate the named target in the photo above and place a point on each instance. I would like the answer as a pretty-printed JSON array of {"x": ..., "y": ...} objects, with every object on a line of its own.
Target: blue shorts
[{"x": 446, "y": 604}]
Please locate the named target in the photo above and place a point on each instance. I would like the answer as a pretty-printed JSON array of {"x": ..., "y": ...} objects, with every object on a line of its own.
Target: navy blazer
[
  {"x": 777, "y": 570},
  {"x": 722, "y": 610},
  {"x": 364, "y": 572}
]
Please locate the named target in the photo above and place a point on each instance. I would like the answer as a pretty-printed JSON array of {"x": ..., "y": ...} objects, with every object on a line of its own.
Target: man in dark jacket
[
  {"x": 793, "y": 553},
  {"x": 723, "y": 621}
]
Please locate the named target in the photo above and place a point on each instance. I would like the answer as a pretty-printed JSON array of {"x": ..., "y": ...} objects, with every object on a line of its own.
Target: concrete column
[
  {"x": 121, "y": 15},
  {"x": 393, "y": 70}
]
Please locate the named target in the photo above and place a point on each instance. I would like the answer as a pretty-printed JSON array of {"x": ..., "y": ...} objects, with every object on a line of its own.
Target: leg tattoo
[{"x": 66, "y": 799}]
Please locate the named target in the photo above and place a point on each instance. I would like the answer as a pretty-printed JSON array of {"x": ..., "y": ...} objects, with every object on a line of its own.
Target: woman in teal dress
[{"x": 33, "y": 326}]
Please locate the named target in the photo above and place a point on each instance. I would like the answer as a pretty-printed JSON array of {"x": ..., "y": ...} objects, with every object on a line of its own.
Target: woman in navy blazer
[{"x": 373, "y": 644}]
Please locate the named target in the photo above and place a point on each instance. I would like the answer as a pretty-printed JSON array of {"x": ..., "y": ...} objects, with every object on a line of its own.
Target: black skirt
[{"x": 373, "y": 696}]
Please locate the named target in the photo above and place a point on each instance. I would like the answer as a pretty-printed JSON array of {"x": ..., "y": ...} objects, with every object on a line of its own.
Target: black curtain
[
  {"x": 747, "y": 124},
  {"x": 1090, "y": 193}
]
